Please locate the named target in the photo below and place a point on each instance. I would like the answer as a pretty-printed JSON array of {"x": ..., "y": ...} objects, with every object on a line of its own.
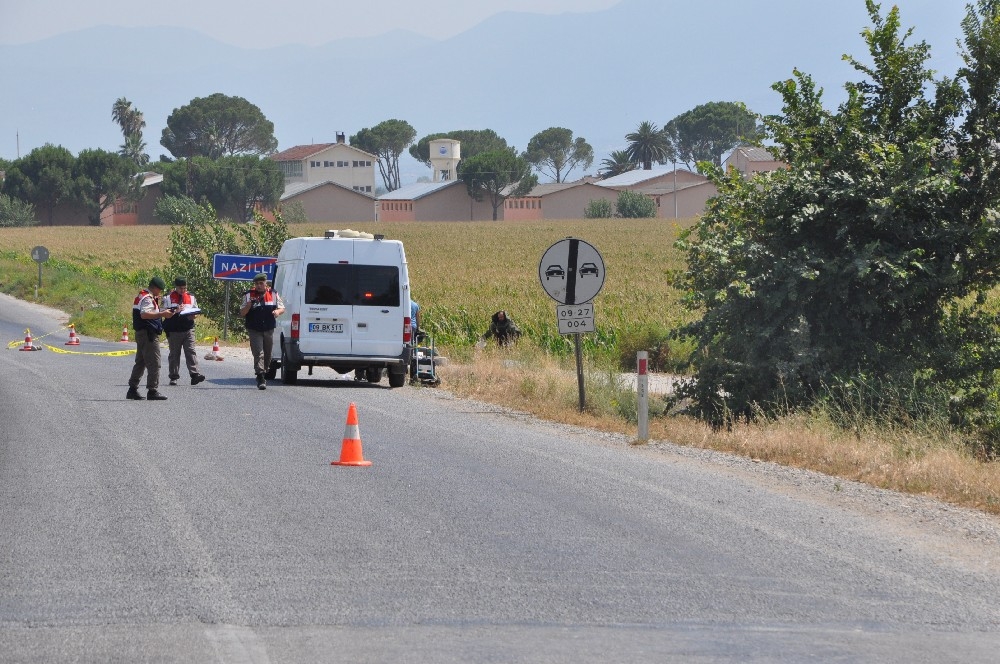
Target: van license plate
[{"x": 333, "y": 328}]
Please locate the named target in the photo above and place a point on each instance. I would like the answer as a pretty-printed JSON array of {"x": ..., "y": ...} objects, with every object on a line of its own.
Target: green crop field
[{"x": 460, "y": 274}]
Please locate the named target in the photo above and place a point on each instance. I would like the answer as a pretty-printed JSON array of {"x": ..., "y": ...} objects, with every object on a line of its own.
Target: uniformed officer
[
  {"x": 261, "y": 306},
  {"x": 180, "y": 332},
  {"x": 147, "y": 321}
]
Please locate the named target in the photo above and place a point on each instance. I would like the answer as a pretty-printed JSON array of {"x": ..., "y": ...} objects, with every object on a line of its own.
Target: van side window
[{"x": 356, "y": 285}]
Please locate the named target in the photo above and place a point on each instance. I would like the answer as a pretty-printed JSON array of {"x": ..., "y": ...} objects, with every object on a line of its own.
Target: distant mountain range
[{"x": 599, "y": 73}]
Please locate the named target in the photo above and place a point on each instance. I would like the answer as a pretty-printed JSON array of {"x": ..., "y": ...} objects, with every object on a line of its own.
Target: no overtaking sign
[{"x": 571, "y": 271}]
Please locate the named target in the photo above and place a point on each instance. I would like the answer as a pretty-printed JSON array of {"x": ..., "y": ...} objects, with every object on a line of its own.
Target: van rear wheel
[
  {"x": 397, "y": 379},
  {"x": 289, "y": 374},
  {"x": 373, "y": 374}
]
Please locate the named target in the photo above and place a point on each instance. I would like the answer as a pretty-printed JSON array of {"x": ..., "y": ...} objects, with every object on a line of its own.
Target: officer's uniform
[
  {"x": 260, "y": 324},
  {"x": 147, "y": 342},
  {"x": 180, "y": 336}
]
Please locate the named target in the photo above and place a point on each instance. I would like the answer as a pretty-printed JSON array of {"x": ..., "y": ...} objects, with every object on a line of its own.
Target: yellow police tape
[
  {"x": 113, "y": 353},
  {"x": 56, "y": 349}
]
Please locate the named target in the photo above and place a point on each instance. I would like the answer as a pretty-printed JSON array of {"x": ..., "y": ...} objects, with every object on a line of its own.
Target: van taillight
[
  {"x": 407, "y": 330},
  {"x": 295, "y": 326}
]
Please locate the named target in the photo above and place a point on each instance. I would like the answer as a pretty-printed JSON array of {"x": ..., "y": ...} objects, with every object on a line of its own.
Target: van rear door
[
  {"x": 325, "y": 325},
  {"x": 380, "y": 303}
]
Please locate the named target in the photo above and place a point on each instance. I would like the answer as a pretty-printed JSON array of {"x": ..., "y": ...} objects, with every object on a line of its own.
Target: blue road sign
[{"x": 230, "y": 267}]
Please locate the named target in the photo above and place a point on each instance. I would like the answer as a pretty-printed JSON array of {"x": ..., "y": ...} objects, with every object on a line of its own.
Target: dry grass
[
  {"x": 128, "y": 248},
  {"x": 906, "y": 461}
]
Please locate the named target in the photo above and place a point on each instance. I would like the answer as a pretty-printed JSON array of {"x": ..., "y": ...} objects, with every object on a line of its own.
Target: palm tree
[
  {"x": 132, "y": 123},
  {"x": 618, "y": 162},
  {"x": 648, "y": 143}
]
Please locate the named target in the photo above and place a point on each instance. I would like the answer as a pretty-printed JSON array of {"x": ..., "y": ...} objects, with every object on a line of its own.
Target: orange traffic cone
[
  {"x": 350, "y": 450},
  {"x": 73, "y": 339},
  {"x": 214, "y": 354},
  {"x": 27, "y": 343},
  {"x": 124, "y": 334}
]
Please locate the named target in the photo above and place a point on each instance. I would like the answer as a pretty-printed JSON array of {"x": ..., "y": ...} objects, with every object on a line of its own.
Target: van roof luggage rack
[{"x": 348, "y": 233}]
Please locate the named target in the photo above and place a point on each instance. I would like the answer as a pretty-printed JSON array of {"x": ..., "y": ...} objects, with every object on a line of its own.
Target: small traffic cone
[
  {"x": 124, "y": 334},
  {"x": 73, "y": 339},
  {"x": 214, "y": 354},
  {"x": 27, "y": 342},
  {"x": 350, "y": 449}
]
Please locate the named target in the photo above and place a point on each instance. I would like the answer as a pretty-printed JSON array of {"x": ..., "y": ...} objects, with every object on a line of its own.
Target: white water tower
[{"x": 445, "y": 155}]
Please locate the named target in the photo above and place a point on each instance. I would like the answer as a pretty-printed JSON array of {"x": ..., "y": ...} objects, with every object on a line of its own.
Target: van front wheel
[{"x": 289, "y": 374}]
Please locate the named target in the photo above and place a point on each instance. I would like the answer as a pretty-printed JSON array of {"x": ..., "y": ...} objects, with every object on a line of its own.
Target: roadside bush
[
  {"x": 197, "y": 234},
  {"x": 15, "y": 212},
  {"x": 667, "y": 352},
  {"x": 633, "y": 205},
  {"x": 599, "y": 208}
]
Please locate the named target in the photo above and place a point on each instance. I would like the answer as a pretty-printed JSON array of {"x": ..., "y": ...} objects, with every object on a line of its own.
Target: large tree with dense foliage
[
  {"x": 43, "y": 178},
  {"x": 495, "y": 175},
  {"x": 706, "y": 132},
  {"x": 233, "y": 186},
  {"x": 648, "y": 144},
  {"x": 473, "y": 141},
  {"x": 100, "y": 178},
  {"x": 554, "y": 152},
  {"x": 218, "y": 126},
  {"x": 867, "y": 261},
  {"x": 386, "y": 140}
]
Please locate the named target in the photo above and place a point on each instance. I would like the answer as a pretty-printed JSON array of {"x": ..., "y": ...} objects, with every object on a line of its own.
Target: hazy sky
[{"x": 262, "y": 23}]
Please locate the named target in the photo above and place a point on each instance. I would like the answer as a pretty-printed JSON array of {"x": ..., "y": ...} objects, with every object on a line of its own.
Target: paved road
[{"x": 212, "y": 528}]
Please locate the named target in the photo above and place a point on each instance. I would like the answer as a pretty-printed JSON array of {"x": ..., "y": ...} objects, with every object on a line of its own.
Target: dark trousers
[
  {"x": 260, "y": 347},
  {"x": 178, "y": 341},
  {"x": 147, "y": 359}
]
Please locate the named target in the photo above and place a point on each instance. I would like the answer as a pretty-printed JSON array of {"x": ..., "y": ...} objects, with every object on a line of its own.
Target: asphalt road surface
[{"x": 212, "y": 528}]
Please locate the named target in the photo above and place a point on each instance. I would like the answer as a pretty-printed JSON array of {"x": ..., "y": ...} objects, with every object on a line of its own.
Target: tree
[
  {"x": 218, "y": 126},
  {"x": 15, "y": 212},
  {"x": 496, "y": 175},
  {"x": 474, "y": 141},
  {"x": 132, "y": 123},
  {"x": 197, "y": 234},
  {"x": 100, "y": 178},
  {"x": 555, "y": 149},
  {"x": 618, "y": 162},
  {"x": 386, "y": 141},
  {"x": 647, "y": 144},
  {"x": 233, "y": 186},
  {"x": 706, "y": 132},
  {"x": 866, "y": 262},
  {"x": 43, "y": 178}
]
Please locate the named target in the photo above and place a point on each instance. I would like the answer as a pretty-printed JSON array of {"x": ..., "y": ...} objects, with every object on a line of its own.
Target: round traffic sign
[
  {"x": 571, "y": 271},
  {"x": 39, "y": 254}
]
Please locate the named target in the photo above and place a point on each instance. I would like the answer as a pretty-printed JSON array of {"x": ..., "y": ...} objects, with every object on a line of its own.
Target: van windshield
[{"x": 355, "y": 285}]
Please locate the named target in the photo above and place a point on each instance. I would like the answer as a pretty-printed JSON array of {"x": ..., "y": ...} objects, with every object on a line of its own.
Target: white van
[{"x": 347, "y": 306}]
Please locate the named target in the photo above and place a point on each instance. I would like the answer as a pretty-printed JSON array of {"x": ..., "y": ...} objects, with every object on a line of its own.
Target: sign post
[
  {"x": 235, "y": 267},
  {"x": 642, "y": 389},
  {"x": 39, "y": 254},
  {"x": 572, "y": 273}
]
